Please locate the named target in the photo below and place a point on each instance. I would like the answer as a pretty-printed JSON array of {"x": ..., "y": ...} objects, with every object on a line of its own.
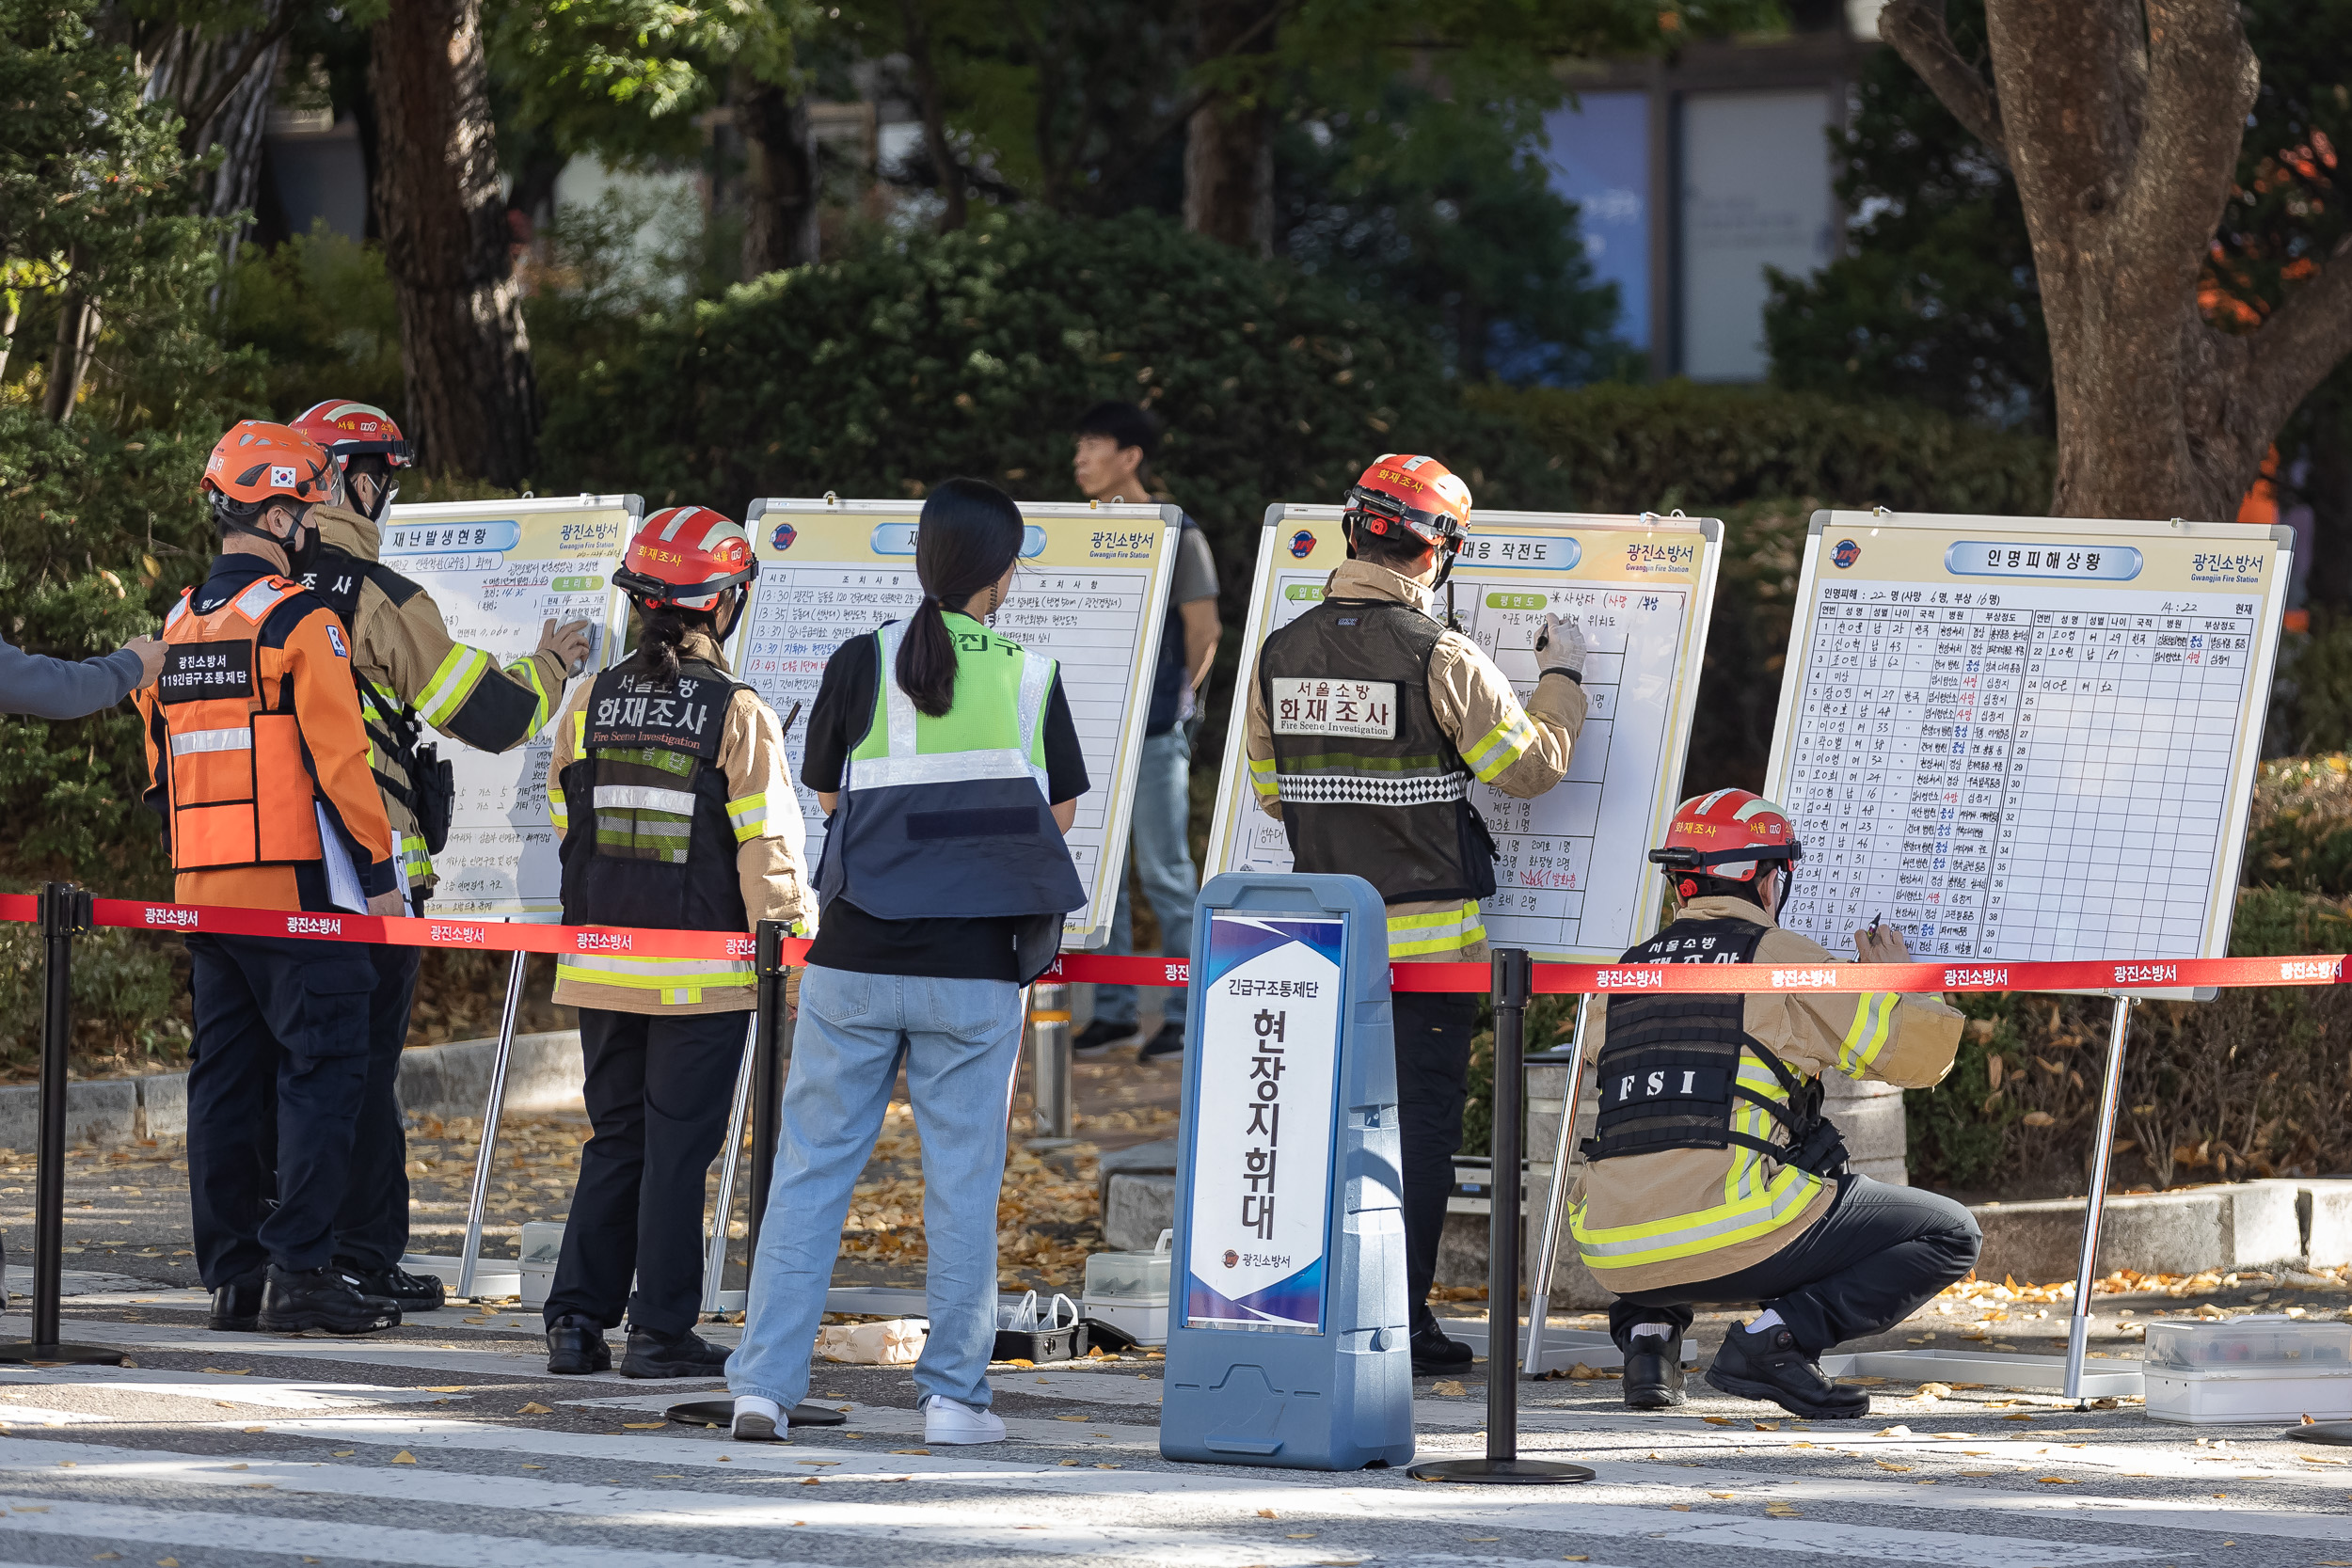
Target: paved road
[{"x": 446, "y": 1443}]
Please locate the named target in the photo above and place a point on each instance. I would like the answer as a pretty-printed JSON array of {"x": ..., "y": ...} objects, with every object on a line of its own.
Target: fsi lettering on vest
[
  {"x": 1307, "y": 705},
  {"x": 1667, "y": 1084}
]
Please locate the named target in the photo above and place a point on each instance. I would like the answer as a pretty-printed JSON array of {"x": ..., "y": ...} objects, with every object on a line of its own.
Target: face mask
[{"x": 302, "y": 557}]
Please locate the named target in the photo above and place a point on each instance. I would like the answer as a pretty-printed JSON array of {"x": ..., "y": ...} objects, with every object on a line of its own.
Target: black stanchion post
[
  {"x": 767, "y": 1114},
  {"x": 768, "y": 1076},
  {"x": 1513, "y": 983},
  {"x": 65, "y": 914}
]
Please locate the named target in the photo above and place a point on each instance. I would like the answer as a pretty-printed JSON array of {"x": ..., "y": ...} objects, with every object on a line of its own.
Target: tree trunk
[
  {"x": 77, "y": 339},
  {"x": 2122, "y": 121},
  {"x": 945, "y": 167},
  {"x": 1229, "y": 140},
  {"x": 464, "y": 351},
  {"x": 779, "y": 180},
  {"x": 222, "y": 85}
]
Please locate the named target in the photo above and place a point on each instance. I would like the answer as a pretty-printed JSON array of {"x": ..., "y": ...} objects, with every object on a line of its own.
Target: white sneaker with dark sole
[
  {"x": 946, "y": 1420},
  {"x": 756, "y": 1418}
]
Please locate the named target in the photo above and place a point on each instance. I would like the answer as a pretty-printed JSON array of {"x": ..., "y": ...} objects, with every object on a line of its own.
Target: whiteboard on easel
[
  {"x": 1571, "y": 883},
  {"x": 499, "y": 571},
  {"x": 2025, "y": 739},
  {"x": 1091, "y": 594}
]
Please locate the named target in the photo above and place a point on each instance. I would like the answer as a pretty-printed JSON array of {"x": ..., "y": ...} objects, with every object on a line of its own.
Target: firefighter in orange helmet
[
  {"x": 259, "y": 772},
  {"x": 1385, "y": 794},
  {"x": 1715, "y": 1176}
]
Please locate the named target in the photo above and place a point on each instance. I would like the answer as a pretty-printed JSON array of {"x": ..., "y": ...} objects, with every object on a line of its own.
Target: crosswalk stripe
[
  {"x": 425, "y": 1549},
  {"x": 385, "y": 1354},
  {"x": 1137, "y": 1498},
  {"x": 273, "y": 1393}
]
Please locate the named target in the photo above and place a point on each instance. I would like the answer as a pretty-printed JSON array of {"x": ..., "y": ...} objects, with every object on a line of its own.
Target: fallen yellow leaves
[
  {"x": 534, "y": 1408},
  {"x": 1450, "y": 1387},
  {"x": 404, "y": 1457},
  {"x": 2054, "y": 1480},
  {"x": 645, "y": 1426}
]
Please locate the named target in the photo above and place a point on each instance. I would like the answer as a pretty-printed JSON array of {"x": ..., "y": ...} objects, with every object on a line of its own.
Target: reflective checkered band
[{"x": 1371, "y": 789}]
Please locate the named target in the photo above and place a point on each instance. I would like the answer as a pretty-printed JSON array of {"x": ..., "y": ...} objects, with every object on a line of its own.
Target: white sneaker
[
  {"x": 756, "y": 1418},
  {"x": 946, "y": 1420}
]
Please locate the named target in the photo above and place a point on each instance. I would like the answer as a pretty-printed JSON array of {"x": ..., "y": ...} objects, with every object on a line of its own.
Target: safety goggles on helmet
[{"x": 686, "y": 556}]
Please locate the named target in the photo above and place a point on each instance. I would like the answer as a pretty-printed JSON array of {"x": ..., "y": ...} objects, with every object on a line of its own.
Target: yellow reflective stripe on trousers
[
  {"x": 1873, "y": 1020},
  {"x": 1500, "y": 747},
  {"x": 677, "y": 979},
  {"x": 1438, "y": 931},
  {"x": 749, "y": 815},
  {"x": 527, "y": 672},
  {"x": 416, "y": 862},
  {"x": 452, "y": 684},
  {"x": 558, "y": 809},
  {"x": 1262, "y": 777}
]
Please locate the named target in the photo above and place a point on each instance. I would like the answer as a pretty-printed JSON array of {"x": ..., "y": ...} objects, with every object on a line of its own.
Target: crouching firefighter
[
  {"x": 668, "y": 788},
  {"x": 1715, "y": 1176},
  {"x": 410, "y": 673}
]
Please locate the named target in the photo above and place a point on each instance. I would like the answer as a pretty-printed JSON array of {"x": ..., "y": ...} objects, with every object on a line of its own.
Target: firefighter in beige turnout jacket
[
  {"x": 1714, "y": 1177},
  {"x": 1368, "y": 723},
  {"x": 409, "y": 671}
]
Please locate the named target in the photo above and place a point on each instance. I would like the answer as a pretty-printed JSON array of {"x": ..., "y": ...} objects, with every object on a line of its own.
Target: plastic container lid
[
  {"x": 2266, "y": 1342},
  {"x": 1129, "y": 1273}
]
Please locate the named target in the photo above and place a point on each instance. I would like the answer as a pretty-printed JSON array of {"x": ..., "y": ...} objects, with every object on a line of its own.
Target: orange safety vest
[{"x": 240, "y": 791}]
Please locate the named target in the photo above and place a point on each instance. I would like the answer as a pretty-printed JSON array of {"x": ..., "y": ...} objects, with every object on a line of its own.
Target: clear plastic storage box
[
  {"x": 2264, "y": 1367},
  {"x": 1129, "y": 1291}
]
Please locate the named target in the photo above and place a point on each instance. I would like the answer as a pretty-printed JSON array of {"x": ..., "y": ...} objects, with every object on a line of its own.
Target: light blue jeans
[
  {"x": 961, "y": 1040},
  {"x": 1162, "y": 855}
]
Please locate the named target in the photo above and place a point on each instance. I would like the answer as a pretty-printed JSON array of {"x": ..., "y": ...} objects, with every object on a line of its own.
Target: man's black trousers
[
  {"x": 1878, "y": 1255},
  {"x": 289, "y": 1016},
  {"x": 659, "y": 1090},
  {"x": 1432, "y": 1040},
  {"x": 371, "y": 1228}
]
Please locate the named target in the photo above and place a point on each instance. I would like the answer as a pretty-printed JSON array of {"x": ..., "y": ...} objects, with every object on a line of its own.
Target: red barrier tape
[{"x": 1103, "y": 969}]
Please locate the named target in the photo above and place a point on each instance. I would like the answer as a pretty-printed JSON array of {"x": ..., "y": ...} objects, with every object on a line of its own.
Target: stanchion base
[
  {"x": 1502, "y": 1472},
  {"x": 20, "y": 1353},
  {"x": 2336, "y": 1433},
  {"x": 721, "y": 1413},
  {"x": 1046, "y": 1145}
]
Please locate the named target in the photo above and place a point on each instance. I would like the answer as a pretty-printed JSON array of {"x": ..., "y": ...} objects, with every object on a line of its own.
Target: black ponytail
[
  {"x": 660, "y": 630},
  {"x": 970, "y": 531}
]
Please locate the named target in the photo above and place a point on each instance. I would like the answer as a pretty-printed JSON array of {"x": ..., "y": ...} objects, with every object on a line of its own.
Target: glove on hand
[
  {"x": 568, "y": 643},
  {"x": 1560, "y": 647}
]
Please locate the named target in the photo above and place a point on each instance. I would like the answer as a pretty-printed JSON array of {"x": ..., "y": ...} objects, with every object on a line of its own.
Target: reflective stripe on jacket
[{"x": 1645, "y": 1222}]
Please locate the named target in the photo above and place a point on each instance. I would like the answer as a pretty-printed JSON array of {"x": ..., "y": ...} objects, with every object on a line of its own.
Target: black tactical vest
[
  {"x": 1370, "y": 786},
  {"x": 1669, "y": 1067},
  {"x": 649, "y": 843}
]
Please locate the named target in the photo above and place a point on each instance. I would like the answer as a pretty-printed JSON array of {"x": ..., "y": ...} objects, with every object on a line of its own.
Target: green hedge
[{"x": 973, "y": 352}]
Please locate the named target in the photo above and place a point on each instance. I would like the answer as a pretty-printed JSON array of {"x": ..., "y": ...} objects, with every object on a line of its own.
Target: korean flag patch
[
  {"x": 281, "y": 478},
  {"x": 335, "y": 636}
]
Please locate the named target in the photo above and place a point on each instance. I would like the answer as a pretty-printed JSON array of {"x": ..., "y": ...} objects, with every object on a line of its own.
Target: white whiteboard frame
[
  {"x": 1127, "y": 762},
  {"x": 616, "y": 609},
  {"x": 1691, "y": 658},
  {"x": 2220, "y": 910}
]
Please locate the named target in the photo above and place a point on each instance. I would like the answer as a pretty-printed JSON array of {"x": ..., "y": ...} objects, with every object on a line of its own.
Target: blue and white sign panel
[{"x": 1262, "y": 1151}]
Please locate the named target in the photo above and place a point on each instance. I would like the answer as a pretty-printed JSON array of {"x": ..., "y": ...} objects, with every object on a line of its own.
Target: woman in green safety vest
[{"x": 947, "y": 764}]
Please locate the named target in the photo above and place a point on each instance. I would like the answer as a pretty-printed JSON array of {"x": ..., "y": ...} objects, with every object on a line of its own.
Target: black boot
[
  {"x": 1653, "y": 1373},
  {"x": 1772, "y": 1365},
  {"x": 1434, "y": 1355},
  {"x": 410, "y": 1292},
  {"x": 687, "y": 1354},
  {"x": 576, "y": 1347},
  {"x": 238, "y": 1304},
  {"x": 294, "y": 1300}
]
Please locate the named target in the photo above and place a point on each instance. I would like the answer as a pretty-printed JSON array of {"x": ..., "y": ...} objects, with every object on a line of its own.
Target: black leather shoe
[
  {"x": 576, "y": 1347},
  {"x": 294, "y": 1300},
  {"x": 1166, "y": 1046},
  {"x": 238, "y": 1304},
  {"x": 1653, "y": 1373},
  {"x": 1435, "y": 1355},
  {"x": 1772, "y": 1365},
  {"x": 688, "y": 1354},
  {"x": 410, "y": 1292},
  {"x": 1099, "y": 1036}
]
